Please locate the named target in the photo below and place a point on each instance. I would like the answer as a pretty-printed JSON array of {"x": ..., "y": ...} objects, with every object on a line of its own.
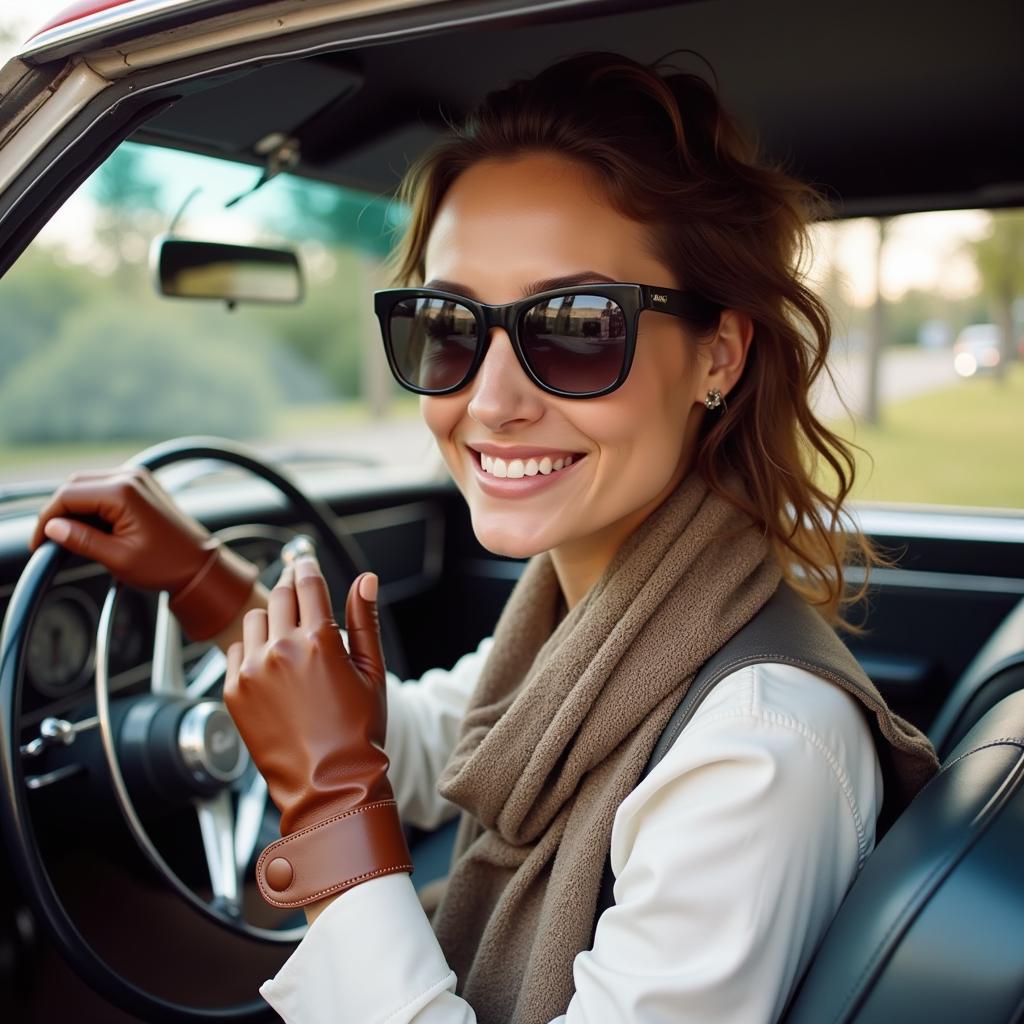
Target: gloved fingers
[
  {"x": 313, "y": 596},
  {"x": 90, "y": 543},
  {"x": 105, "y": 497},
  {"x": 254, "y": 630},
  {"x": 363, "y": 625},
  {"x": 283, "y": 607}
]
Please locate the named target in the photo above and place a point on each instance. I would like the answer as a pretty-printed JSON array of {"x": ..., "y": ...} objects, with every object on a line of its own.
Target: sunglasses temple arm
[{"x": 689, "y": 305}]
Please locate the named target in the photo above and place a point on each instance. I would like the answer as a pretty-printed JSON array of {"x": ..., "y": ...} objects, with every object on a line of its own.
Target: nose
[{"x": 502, "y": 393}]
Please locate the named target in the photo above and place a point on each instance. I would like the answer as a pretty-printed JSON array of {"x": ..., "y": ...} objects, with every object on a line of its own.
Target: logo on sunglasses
[{"x": 659, "y": 298}]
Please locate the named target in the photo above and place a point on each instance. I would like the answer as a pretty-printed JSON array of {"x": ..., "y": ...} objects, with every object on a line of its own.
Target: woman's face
[{"x": 513, "y": 227}]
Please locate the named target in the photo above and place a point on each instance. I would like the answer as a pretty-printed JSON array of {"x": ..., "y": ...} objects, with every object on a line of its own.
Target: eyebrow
[{"x": 534, "y": 287}]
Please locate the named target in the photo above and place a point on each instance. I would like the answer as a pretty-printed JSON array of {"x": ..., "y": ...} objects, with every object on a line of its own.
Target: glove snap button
[{"x": 279, "y": 874}]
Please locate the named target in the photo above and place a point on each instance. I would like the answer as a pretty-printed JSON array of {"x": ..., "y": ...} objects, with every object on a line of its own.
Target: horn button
[{"x": 179, "y": 748}]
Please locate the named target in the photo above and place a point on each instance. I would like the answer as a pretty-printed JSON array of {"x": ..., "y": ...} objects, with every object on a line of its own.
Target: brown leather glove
[
  {"x": 313, "y": 717},
  {"x": 152, "y": 545}
]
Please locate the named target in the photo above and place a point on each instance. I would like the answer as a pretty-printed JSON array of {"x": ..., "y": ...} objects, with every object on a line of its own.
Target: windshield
[
  {"x": 97, "y": 365},
  {"x": 927, "y": 343}
]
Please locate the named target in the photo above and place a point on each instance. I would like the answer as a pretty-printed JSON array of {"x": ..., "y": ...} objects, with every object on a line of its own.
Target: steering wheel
[{"x": 177, "y": 734}]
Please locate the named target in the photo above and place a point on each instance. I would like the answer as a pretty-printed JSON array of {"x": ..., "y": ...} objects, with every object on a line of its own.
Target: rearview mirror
[{"x": 187, "y": 269}]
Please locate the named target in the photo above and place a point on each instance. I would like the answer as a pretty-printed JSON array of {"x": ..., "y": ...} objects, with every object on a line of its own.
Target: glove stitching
[
  {"x": 301, "y": 901},
  {"x": 337, "y": 887},
  {"x": 328, "y": 821}
]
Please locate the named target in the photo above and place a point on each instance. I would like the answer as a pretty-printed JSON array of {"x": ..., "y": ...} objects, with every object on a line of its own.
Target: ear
[{"x": 723, "y": 358}]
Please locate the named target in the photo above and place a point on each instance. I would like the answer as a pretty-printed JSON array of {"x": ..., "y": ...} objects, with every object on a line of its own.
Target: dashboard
[{"x": 402, "y": 541}]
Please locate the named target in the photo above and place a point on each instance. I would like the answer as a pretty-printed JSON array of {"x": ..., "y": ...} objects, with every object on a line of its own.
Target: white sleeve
[
  {"x": 423, "y": 725},
  {"x": 730, "y": 858}
]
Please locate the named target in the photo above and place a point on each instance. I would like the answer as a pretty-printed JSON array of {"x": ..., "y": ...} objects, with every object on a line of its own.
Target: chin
[{"x": 509, "y": 543}]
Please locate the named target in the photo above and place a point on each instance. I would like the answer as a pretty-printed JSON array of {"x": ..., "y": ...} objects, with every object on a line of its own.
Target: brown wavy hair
[{"x": 733, "y": 227}]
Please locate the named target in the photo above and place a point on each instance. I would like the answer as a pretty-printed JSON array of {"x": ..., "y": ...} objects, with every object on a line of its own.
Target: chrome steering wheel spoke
[
  {"x": 207, "y": 672},
  {"x": 252, "y": 807},
  {"x": 218, "y": 827},
  {"x": 168, "y": 662}
]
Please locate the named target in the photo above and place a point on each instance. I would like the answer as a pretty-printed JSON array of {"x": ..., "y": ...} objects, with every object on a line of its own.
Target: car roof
[{"x": 886, "y": 107}]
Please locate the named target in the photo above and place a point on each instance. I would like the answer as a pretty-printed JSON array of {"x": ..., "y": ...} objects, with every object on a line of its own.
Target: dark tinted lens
[
  {"x": 433, "y": 341},
  {"x": 576, "y": 343}
]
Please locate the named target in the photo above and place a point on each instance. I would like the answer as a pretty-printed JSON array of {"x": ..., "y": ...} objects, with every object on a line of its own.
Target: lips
[
  {"x": 524, "y": 486},
  {"x": 522, "y": 451}
]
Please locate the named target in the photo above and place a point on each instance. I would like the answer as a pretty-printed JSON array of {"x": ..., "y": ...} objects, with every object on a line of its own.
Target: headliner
[{"x": 887, "y": 109}]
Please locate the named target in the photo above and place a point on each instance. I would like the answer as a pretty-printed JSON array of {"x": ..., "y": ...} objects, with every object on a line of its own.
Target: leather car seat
[
  {"x": 995, "y": 671},
  {"x": 932, "y": 930}
]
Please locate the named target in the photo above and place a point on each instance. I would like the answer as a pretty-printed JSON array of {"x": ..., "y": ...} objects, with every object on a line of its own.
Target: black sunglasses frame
[{"x": 633, "y": 299}]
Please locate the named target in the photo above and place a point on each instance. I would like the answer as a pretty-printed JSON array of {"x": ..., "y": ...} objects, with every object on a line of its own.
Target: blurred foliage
[
  {"x": 123, "y": 186},
  {"x": 915, "y": 307},
  {"x": 89, "y": 352},
  {"x": 152, "y": 381},
  {"x": 905, "y": 316},
  {"x": 35, "y": 299},
  {"x": 999, "y": 256},
  {"x": 341, "y": 217},
  {"x": 327, "y": 332}
]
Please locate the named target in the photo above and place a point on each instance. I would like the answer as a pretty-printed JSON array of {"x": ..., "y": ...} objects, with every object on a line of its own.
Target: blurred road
[{"x": 904, "y": 372}]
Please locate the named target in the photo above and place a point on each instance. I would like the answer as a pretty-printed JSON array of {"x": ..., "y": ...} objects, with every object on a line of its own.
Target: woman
[{"x": 605, "y": 262}]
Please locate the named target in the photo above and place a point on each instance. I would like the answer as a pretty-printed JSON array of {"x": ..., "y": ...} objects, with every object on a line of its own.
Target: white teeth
[{"x": 515, "y": 469}]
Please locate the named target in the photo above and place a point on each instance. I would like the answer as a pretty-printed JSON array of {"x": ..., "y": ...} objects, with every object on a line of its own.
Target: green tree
[
  {"x": 999, "y": 257},
  {"x": 36, "y": 295},
  {"x": 111, "y": 378},
  {"x": 359, "y": 229},
  {"x": 129, "y": 210},
  {"x": 341, "y": 217}
]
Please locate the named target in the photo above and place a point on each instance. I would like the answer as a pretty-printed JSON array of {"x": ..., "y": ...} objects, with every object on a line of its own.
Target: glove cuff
[
  {"x": 334, "y": 855},
  {"x": 209, "y": 602}
]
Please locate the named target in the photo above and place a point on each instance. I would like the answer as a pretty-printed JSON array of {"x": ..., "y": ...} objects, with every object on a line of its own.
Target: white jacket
[{"x": 730, "y": 860}]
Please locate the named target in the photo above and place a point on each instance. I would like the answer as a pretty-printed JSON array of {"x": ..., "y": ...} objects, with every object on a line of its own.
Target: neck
[{"x": 578, "y": 564}]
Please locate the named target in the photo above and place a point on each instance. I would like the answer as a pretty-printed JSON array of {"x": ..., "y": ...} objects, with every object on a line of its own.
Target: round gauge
[
  {"x": 61, "y": 645},
  {"x": 131, "y": 626}
]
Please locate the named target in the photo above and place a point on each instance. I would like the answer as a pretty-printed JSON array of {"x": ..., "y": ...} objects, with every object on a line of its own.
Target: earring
[{"x": 714, "y": 399}]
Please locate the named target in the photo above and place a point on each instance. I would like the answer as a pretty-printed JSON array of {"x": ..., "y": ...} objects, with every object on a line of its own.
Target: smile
[
  {"x": 513, "y": 469},
  {"x": 515, "y": 477}
]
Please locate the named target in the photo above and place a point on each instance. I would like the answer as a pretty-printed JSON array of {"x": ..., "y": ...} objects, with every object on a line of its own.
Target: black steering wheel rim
[{"x": 15, "y": 816}]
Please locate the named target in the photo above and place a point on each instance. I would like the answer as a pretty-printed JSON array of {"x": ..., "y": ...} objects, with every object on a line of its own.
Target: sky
[{"x": 922, "y": 251}]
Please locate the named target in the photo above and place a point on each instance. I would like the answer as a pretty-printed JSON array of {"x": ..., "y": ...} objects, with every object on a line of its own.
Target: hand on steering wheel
[
  {"x": 152, "y": 545},
  {"x": 145, "y": 526}
]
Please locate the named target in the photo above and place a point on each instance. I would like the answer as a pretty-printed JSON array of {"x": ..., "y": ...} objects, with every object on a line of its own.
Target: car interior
[{"x": 114, "y": 911}]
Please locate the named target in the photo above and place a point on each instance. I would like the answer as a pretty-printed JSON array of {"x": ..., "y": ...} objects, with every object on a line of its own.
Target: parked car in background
[{"x": 977, "y": 349}]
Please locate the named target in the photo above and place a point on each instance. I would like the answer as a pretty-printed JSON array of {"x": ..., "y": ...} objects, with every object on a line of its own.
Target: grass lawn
[{"x": 962, "y": 445}]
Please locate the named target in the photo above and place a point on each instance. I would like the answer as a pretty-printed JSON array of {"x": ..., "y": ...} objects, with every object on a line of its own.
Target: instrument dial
[{"x": 60, "y": 650}]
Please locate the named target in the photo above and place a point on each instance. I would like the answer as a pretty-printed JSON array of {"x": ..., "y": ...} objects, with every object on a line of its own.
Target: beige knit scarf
[{"x": 563, "y": 719}]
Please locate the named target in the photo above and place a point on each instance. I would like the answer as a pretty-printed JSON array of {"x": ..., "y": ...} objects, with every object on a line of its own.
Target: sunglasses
[{"x": 571, "y": 342}]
